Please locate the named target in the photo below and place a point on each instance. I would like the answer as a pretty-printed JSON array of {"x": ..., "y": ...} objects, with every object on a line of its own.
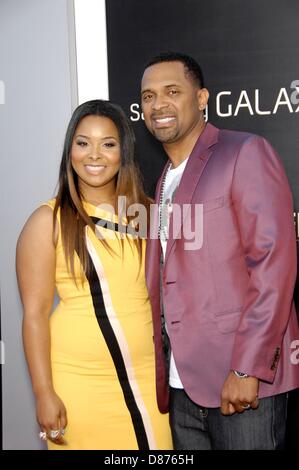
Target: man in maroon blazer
[{"x": 227, "y": 299}]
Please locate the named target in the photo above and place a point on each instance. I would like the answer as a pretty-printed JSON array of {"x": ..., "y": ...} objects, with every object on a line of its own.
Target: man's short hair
[{"x": 192, "y": 67}]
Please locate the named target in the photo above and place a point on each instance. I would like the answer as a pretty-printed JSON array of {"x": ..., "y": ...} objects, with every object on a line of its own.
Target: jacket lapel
[{"x": 198, "y": 159}]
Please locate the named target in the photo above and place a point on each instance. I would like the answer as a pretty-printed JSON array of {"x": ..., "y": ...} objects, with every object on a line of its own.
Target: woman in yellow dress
[{"x": 92, "y": 361}]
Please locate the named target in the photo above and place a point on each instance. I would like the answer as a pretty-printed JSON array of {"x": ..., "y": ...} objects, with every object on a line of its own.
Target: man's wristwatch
[{"x": 241, "y": 375}]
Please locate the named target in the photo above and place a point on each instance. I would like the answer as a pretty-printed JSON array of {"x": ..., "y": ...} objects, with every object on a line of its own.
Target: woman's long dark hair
[{"x": 73, "y": 217}]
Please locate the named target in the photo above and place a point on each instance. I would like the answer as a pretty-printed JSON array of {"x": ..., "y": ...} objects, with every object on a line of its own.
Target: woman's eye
[
  {"x": 82, "y": 144},
  {"x": 109, "y": 144}
]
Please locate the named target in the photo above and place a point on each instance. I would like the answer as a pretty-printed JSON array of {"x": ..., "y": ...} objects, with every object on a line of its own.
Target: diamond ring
[
  {"x": 43, "y": 435},
  {"x": 54, "y": 433}
]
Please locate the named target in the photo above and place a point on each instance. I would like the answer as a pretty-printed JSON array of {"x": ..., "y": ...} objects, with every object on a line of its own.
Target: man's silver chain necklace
[{"x": 163, "y": 217}]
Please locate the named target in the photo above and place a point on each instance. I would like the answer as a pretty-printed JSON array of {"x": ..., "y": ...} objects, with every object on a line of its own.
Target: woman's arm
[{"x": 36, "y": 261}]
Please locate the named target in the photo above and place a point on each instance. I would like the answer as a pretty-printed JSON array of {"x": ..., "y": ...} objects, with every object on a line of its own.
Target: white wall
[
  {"x": 91, "y": 48},
  {"x": 37, "y": 70}
]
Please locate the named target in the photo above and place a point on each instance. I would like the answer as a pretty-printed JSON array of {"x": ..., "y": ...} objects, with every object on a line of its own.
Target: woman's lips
[{"x": 94, "y": 169}]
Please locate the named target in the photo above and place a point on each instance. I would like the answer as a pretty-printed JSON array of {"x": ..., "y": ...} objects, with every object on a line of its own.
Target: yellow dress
[{"x": 102, "y": 350}]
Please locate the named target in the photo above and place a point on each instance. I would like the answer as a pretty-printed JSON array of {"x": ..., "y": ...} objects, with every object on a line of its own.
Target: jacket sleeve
[{"x": 264, "y": 208}]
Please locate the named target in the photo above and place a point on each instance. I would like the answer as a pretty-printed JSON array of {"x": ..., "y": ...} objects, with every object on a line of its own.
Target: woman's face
[{"x": 95, "y": 153}]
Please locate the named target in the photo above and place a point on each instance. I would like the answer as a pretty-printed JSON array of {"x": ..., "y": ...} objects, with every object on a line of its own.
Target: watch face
[{"x": 240, "y": 374}]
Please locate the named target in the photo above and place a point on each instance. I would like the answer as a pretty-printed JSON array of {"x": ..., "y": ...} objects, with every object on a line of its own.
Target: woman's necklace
[{"x": 93, "y": 202}]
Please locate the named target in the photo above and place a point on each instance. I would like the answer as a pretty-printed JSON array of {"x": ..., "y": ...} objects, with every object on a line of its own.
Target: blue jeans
[{"x": 197, "y": 428}]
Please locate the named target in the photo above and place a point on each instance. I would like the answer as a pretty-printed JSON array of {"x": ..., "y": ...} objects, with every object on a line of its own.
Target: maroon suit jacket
[{"x": 228, "y": 305}]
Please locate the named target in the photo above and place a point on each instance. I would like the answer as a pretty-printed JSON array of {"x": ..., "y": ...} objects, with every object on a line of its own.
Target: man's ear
[{"x": 202, "y": 97}]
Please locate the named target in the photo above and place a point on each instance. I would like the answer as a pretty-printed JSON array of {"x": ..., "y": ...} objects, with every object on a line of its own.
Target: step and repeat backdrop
[{"x": 248, "y": 52}]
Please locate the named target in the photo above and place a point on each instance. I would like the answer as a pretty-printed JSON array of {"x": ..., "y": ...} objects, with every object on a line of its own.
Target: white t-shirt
[{"x": 172, "y": 181}]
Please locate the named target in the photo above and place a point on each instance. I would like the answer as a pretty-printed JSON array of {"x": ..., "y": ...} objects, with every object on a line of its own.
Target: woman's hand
[
  {"x": 36, "y": 267},
  {"x": 51, "y": 416}
]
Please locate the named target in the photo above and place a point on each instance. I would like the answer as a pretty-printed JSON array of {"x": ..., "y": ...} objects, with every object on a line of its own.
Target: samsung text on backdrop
[{"x": 248, "y": 101}]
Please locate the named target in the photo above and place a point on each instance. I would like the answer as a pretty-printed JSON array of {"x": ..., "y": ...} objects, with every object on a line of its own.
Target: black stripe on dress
[
  {"x": 114, "y": 226},
  {"x": 115, "y": 351}
]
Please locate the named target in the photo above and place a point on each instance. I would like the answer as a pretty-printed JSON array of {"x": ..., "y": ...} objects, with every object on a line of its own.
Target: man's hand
[{"x": 237, "y": 393}]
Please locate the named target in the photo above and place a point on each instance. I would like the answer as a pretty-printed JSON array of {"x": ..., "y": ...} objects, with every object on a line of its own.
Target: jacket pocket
[
  {"x": 228, "y": 320},
  {"x": 216, "y": 203}
]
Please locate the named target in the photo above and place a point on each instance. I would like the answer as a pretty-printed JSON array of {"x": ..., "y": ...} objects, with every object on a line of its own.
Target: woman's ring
[{"x": 54, "y": 433}]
